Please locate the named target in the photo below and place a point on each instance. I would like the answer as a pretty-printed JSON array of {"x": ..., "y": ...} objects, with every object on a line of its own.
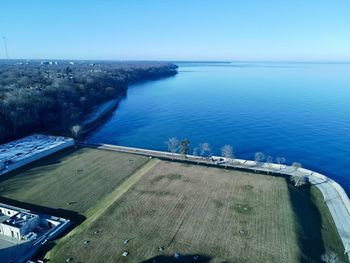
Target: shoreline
[
  {"x": 83, "y": 87},
  {"x": 98, "y": 117},
  {"x": 331, "y": 194},
  {"x": 101, "y": 112}
]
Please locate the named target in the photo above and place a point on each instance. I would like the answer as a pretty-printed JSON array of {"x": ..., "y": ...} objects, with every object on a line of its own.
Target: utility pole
[{"x": 5, "y": 46}]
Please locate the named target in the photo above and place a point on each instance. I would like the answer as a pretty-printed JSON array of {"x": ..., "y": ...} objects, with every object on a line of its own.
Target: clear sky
[{"x": 177, "y": 29}]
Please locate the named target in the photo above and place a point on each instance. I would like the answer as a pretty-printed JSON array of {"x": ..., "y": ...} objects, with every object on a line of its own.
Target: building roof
[
  {"x": 24, "y": 148},
  {"x": 3, "y": 218},
  {"x": 20, "y": 219}
]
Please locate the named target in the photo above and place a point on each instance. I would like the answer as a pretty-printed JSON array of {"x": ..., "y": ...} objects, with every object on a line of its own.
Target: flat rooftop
[
  {"x": 3, "y": 218},
  {"x": 24, "y": 148},
  {"x": 20, "y": 219},
  {"x": 45, "y": 227}
]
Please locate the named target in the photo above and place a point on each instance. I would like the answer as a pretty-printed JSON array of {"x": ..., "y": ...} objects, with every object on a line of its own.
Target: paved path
[{"x": 334, "y": 195}]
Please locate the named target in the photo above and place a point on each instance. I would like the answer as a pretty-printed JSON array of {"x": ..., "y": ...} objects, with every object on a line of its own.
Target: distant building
[{"x": 49, "y": 63}]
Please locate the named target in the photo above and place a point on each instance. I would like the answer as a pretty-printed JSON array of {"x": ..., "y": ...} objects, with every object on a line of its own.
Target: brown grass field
[{"x": 215, "y": 214}]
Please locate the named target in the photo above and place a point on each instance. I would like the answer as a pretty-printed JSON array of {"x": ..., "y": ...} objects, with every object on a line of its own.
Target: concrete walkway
[
  {"x": 337, "y": 201},
  {"x": 334, "y": 195}
]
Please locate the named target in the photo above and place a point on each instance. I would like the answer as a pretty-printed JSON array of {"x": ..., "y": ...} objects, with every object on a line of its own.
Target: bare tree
[
  {"x": 195, "y": 151},
  {"x": 298, "y": 179},
  {"x": 76, "y": 130},
  {"x": 269, "y": 160},
  {"x": 280, "y": 161},
  {"x": 259, "y": 157},
  {"x": 173, "y": 144},
  {"x": 330, "y": 257},
  {"x": 296, "y": 165},
  {"x": 205, "y": 150},
  {"x": 184, "y": 147},
  {"x": 227, "y": 152}
]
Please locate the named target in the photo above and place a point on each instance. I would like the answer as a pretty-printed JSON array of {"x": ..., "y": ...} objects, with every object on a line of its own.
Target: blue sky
[{"x": 298, "y": 30}]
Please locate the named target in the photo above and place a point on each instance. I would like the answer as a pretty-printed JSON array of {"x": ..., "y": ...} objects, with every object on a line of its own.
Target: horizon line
[{"x": 182, "y": 60}]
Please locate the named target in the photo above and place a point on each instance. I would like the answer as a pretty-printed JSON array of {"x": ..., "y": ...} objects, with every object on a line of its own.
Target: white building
[
  {"x": 19, "y": 225},
  {"x": 23, "y": 232},
  {"x": 26, "y": 150}
]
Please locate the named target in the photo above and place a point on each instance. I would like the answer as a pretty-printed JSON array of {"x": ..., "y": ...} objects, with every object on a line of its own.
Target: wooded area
[{"x": 40, "y": 96}]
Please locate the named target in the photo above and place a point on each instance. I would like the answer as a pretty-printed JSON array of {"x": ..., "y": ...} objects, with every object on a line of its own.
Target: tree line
[
  {"x": 204, "y": 151},
  {"x": 36, "y": 97}
]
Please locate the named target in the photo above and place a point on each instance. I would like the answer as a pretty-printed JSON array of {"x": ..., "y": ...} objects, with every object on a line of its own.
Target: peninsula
[{"x": 40, "y": 96}]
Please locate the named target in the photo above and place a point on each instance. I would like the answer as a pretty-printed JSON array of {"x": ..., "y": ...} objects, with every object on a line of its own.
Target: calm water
[{"x": 299, "y": 111}]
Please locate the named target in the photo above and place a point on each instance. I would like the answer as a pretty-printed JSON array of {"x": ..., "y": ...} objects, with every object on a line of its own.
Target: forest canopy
[{"x": 40, "y": 96}]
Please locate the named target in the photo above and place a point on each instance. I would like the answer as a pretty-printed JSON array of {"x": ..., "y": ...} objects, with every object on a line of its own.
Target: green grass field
[
  {"x": 216, "y": 214},
  {"x": 75, "y": 179}
]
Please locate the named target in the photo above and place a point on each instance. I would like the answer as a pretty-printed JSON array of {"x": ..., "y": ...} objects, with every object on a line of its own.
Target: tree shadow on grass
[
  {"x": 308, "y": 223},
  {"x": 182, "y": 259}
]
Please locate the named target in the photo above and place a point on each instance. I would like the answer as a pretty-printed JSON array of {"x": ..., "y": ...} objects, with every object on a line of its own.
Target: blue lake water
[{"x": 300, "y": 111}]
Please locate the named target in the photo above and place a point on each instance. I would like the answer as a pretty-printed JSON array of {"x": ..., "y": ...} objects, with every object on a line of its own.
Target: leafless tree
[
  {"x": 298, "y": 179},
  {"x": 258, "y": 158},
  {"x": 269, "y": 160},
  {"x": 296, "y": 165},
  {"x": 173, "y": 145},
  {"x": 280, "y": 161},
  {"x": 195, "y": 151},
  {"x": 76, "y": 130},
  {"x": 227, "y": 152},
  {"x": 205, "y": 150},
  {"x": 330, "y": 257}
]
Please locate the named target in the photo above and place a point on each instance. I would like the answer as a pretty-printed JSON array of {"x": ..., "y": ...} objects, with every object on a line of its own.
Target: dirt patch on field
[
  {"x": 242, "y": 208},
  {"x": 170, "y": 177}
]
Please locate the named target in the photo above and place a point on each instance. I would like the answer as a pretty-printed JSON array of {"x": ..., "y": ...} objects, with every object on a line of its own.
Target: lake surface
[{"x": 300, "y": 111}]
